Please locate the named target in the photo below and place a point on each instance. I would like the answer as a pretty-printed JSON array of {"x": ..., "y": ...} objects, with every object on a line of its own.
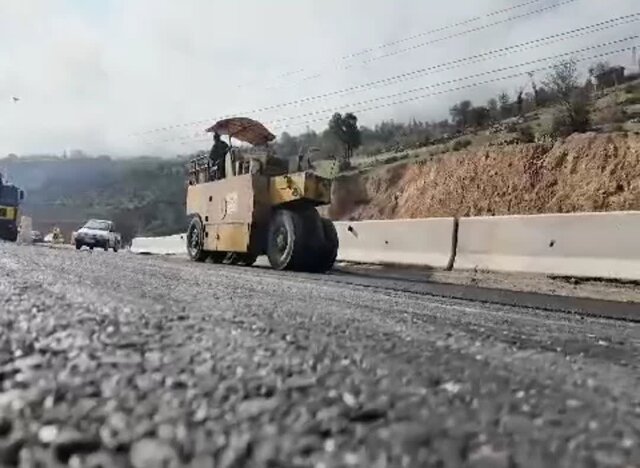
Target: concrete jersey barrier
[
  {"x": 25, "y": 234},
  {"x": 597, "y": 245},
  {"x": 170, "y": 245},
  {"x": 600, "y": 245},
  {"x": 426, "y": 242}
]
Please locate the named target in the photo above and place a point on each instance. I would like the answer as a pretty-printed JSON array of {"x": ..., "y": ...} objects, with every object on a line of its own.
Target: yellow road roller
[{"x": 244, "y": 202}]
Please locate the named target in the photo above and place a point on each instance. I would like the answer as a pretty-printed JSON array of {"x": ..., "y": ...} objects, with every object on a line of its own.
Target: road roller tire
[
  {"x": 328, "y": 249},
  {"x": 321, "y": 242},
  {"x": 286, "y": 240},
  {"x": 195, "y": 241}
]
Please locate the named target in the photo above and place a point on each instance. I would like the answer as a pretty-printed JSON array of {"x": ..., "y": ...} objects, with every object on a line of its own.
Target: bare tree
[
  {"x": 563, "y": 80},
  {"x": 520, "y": 100},
  {"x": 492, "y": 105},
  {"x": 573, "y": 115},
  {"x": 505, "y": 105},
  {"x": 534, "y": 87}
]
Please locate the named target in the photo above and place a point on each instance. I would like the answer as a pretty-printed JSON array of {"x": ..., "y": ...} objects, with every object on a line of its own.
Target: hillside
[
  {"x": 538, "y": 153},
  {"x": 584, "y": 172},
  {"x": 143, "y": 195}
]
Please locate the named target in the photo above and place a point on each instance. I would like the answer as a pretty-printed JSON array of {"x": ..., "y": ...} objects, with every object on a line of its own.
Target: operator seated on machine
[{"x": 217, "y": 154}]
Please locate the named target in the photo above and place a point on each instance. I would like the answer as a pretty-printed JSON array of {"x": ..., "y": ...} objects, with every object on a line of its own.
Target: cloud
[{"x": 91, "y": 73}]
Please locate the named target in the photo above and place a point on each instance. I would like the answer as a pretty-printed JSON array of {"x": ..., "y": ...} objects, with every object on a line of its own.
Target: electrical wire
[
  {"x": 429, "y": 32},
  {"x": 446, "y": 66},
  {"x": 329, "y": 112},
  {"x": 441, "y": 39}
]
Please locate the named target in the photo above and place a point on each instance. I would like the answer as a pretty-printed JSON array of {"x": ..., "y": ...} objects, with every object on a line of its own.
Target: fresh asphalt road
[{"x": 122, "y": 360}]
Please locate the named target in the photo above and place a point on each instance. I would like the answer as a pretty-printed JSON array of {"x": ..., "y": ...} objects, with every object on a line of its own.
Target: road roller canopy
[{"x": 243, "y": 129}]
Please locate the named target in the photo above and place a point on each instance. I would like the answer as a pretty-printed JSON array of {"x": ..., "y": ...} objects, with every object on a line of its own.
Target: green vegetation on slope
[{"x": 144, "y": 196}]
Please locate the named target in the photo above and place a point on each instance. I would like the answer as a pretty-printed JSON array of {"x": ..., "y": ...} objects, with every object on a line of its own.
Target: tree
[
  {"x": 505, "y": 105},
  {"x": 479, "y": 116},
  {"x": 563, "y": 80},
  {"x": 573, "y": 115},
  {"x": 460, "y": 113},
  {"x": 535, "y": 89},
  {"x": 494, "y": 112},
  {"x": 345, "y": 129},
  {"x": 599, "y": 68},
  {"x": 520, "y": 101},
  {"x": 287, "y": 146}
]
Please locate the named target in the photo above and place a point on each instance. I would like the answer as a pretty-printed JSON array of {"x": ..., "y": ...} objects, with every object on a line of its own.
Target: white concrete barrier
[
  {"x": 169, "y": 245},
  {"x": 25, "y": 234},
  {"x": 426, "y": 242},
  {"x": 600, "y": 245}
]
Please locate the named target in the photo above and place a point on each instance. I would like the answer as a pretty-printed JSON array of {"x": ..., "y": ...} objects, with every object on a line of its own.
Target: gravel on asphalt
[{"x": 121, "y": 360}]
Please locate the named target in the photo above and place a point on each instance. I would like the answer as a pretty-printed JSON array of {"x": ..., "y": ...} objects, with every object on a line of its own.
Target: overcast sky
[{"x": 90, "y": 73}]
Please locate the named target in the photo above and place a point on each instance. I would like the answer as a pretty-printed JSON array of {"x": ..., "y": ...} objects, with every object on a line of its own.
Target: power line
[
  {"x": 478, "y": 75},
  {"x": 446, "y": 66},
  {"x": 460, "y": 34},
  {"x": 445, "y": 38},
  {"x": 329, "y": 112},
  {"x": 476, "y": 84},
  {"x": 437, "y": 30},
  {"x": 615, "y": 22},
  {"x": 417, "y": 36}
]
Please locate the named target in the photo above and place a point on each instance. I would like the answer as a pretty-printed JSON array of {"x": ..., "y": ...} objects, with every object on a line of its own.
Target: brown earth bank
[{"x": 585, "y": 172}]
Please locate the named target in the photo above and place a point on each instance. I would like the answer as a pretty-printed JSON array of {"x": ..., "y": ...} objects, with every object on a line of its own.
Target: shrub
[
  {"x": 393, "y": 159},
  {"x": 526, "y": 134},
  {"x": 609, "y": 115},
  {"x": 511, "y": 127},
  {"x": 572, "y": 117},
  {"x": 345, "y": 165},
  {"x": 461, "y": 144},
  {"x": 632, "y": 100},
  {"x": 617, "y": 127}
]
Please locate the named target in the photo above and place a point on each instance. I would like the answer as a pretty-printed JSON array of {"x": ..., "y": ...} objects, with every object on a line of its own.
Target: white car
[{"x": 98, "y": 233}]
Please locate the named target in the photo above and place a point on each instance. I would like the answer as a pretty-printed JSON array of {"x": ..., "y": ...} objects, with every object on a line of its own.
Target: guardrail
[{"x": 596, "y": 245}]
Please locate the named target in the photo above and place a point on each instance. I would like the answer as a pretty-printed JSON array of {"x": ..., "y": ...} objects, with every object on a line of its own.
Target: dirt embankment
[{"x": 587, "y": 172}]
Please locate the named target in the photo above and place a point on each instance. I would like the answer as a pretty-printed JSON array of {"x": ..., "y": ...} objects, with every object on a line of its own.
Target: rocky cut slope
[{"x": 586, "y": 172}]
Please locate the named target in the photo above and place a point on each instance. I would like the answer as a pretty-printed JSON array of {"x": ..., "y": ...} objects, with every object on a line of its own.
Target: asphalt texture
[{"x": 122, "y": 360}]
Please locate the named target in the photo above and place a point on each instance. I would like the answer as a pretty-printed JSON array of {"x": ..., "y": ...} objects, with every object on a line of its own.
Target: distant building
[{"x": 610, "y": 77}]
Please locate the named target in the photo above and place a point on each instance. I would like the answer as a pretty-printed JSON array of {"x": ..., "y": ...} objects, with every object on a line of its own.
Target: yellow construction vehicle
[
  {"x": 254, "y": 206},
  {"x": 10, "y": 199}
]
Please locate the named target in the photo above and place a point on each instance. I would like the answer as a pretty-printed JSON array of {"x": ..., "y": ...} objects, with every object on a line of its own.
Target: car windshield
[{"x": 98, "y": 225}]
